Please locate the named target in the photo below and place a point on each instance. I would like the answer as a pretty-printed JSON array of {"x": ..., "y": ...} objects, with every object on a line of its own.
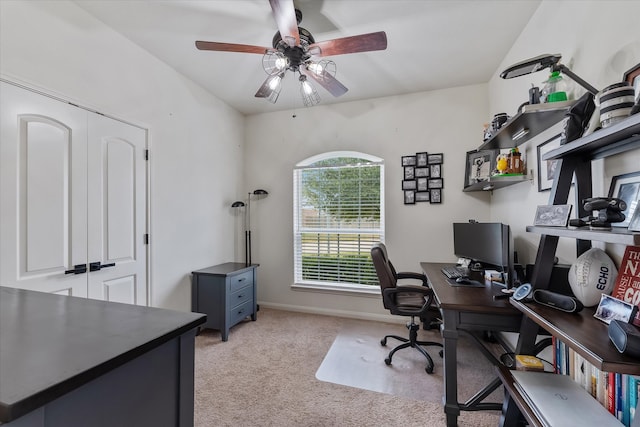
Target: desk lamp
[
  {"x": 247, "y": 222},
  {"x": 541, "y": 62}
]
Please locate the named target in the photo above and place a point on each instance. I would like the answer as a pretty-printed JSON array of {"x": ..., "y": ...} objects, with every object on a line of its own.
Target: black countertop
[{"x": 52, "y": 344}]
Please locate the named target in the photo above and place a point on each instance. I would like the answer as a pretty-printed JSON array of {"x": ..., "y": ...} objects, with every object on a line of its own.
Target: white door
[
  {"x": 116, "y": 211},
  {"x": 72, "y": 193}
]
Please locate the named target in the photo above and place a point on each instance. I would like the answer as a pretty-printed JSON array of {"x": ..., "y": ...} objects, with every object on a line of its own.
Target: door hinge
[
  {"x": 146, "y": 238},
  {"x": 146, "y": 154}
]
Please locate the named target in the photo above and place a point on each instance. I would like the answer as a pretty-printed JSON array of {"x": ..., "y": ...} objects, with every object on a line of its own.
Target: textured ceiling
[{"x": 431, "y": 44}]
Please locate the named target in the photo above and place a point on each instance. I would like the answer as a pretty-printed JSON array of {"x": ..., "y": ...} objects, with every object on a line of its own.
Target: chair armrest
[
  {"x": 412, "y": 275},
  {"x": 389, "y": 293}
]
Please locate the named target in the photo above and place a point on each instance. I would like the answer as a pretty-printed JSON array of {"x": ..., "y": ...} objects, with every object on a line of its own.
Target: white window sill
[{"x": 359, "y": 290}]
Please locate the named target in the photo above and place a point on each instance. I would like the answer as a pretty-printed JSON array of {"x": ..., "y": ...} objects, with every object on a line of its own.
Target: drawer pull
[
  {"x": 240, "y": 311},
  {"x": 242, "y": 279},
  {"x": 240, "y": 296}
]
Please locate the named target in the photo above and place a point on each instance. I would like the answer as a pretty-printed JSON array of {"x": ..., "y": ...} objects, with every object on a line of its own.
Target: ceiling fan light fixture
[
  {"x": 275, "y": 84},
  {"x": 310, "y": 96},
  {"x": 274, "y": 62}
]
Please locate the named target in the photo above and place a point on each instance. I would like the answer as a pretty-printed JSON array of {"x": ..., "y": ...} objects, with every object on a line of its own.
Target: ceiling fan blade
[
  {"x": 232, "y": 47},
  {"x": 327, "y": 81},
  {"x": 353, "y": 44},
  {"x": 285, "y": 16}
]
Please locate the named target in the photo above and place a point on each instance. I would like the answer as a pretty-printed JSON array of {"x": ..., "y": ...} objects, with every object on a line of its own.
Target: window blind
[{"x": 338, "y": 216}]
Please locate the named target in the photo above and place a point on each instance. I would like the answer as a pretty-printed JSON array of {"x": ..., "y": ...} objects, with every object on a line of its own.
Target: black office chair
[{"x": 406, "y": 300}]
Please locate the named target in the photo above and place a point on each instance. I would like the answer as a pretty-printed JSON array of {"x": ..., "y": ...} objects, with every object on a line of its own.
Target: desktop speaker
[
  {"x": 557, "y": 301},
  {"x": 559, "y": 281},
  {"x": 625, "y": 337}
]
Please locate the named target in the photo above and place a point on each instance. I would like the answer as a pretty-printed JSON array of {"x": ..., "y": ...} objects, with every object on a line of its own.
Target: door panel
[
  {"x": 72, "y": 193},
  {"x": 117, "y": 214},
  {"x": 43, "y": 209}
]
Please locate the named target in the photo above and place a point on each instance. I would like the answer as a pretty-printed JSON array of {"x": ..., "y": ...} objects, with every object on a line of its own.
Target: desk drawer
[
  {"x": 240, "y": 312},
  {"x": 241, "y": 296},
  {"x": 241, "y": 280}
]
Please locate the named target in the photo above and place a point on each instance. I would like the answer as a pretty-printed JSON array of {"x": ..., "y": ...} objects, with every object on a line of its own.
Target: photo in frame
[
  {"x": 634, "y": 222},
  {"x": 435, "y": 159},
  {"x": 436, "y": 183},
  {"x": 409, "y": 184},
  {"x": 422, "y": 196},
  {"x": 479, "y": 166},
  {"x": 552, "y": 215},
  {"x": 547, "y": 169},
  {"x": 434, "y": 171},
  {"x": 409, "y": 172},
  {"x": 632, "y": 76},
  {"x": 423, "y": 184},
  {"x": 627, "y": 188},
  {"x": 408, "y": 160},
  {"x": 409, "y": 197},
  {"x": 611, "y": 308},
  {"x": 421, "y": 172},
  {"x": 435, "y": 196},
  {"x": 421, "y": 159}
]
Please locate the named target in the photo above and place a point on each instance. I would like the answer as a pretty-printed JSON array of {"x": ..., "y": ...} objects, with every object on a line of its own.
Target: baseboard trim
[{"x": 387, "y": 318}]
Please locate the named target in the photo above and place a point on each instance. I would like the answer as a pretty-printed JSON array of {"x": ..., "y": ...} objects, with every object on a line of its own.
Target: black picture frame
[
  {"x": 421, "y": 159},
  {"x": 422, "y": 172},
  {"x": 547, "y": 169},
  {"x": 436, "y": 183},
  {"x": 409, "y": 197},
  {"x": 435, "y": 158},
  {"x": 479, "y": 166},
  {"x": 627, "y": 188},
  {"x": 409, "y": 184},
  {"x": 423, "y": 196},
  {"x": 435, "y": 170},
  {"x": 435, "y": 196},
  {"x": 409, "y": 172},
  {"x": 422, "y": 184},
  {"x": 552, "y": 215},
  {"x": 408, "y": 160}
]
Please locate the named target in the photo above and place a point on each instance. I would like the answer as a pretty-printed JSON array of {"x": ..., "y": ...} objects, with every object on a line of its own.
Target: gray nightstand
[{"x": 226, "y": 293}]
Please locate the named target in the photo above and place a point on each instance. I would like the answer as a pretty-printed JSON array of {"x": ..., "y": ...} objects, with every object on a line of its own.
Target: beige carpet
[
  {"x": 356, "y": 359},
  {"x": 265, "y": 376}
]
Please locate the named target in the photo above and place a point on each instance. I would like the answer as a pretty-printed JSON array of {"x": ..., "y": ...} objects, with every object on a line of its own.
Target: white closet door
[
  {"x": 43, "y": 192},
  {"x": 116, "y": 211}
]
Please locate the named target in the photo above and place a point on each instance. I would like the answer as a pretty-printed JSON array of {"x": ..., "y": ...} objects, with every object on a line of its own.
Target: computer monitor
[{"x": 489, "y": 243}]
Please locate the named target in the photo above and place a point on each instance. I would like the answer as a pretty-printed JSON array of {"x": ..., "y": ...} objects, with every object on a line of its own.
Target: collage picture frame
[{"x": 422, "y": 178}]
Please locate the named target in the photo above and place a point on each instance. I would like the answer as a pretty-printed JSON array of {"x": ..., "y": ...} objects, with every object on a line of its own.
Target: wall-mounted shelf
[
  {"x": 617, "y": 235},
  {"x": 496, "y": 182},
  {"x": 615, "y": 139},
  {"x": 531, "y": 121}
]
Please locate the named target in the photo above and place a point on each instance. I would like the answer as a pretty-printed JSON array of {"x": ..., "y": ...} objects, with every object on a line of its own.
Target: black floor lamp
[{"x": 247, "y": 221}]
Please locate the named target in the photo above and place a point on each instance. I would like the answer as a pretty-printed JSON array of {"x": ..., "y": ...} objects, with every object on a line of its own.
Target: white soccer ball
[{"x": 592, "y": 275}]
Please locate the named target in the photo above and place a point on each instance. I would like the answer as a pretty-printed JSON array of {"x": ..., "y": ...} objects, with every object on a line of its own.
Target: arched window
[{"x": 338, "y": 209}]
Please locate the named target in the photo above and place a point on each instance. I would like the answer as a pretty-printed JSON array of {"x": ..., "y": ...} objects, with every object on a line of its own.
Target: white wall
[
  {"x": 196, "y": 140},
  {"x": 447, "y": 121},
  {"x": 598, "y": 41}
]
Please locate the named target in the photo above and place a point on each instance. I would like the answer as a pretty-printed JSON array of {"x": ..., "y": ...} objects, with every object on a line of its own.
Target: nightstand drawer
[
  {"x": 240, "y": 296},
  {"x": 241, "y": 280},
  {"x": 240, "y": 312}
]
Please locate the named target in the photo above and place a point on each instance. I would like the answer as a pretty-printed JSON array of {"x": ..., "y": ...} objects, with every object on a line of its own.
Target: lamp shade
[
  {"x": 260, "y": 192},
  {"x": 237, "y": 204}
]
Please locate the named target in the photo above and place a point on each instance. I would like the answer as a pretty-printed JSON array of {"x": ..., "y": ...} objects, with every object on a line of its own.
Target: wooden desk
[{"x": 472, "y": 311}]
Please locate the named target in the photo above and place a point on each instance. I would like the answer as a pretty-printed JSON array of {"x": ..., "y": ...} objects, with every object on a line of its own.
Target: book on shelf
[{"x": 627, "y": 285}]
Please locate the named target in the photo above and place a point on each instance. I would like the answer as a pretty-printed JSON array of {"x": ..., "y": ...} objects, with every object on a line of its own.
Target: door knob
[{"x": 95, "y": 266}]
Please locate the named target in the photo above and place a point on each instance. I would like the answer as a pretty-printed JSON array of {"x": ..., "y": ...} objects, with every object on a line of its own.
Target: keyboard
[{"x": 453, "y": 272}]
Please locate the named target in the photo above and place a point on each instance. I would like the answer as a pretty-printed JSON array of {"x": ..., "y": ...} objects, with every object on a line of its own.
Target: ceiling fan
[{"x": 295, "y": 49}]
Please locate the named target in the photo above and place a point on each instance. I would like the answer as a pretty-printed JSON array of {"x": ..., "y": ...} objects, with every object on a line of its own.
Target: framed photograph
[
  {"x": 423, "y": 184},
  {"x": 435, "y": 196},
  {"x": 435, "y": 159},
  {"x": 479, "y": 166},
  {"x": 409, "y": 184},
  {"x": 634, "y": 222},
  {"x": 408, "y": 160},
  {"x": 435, "y": 171},
  {"x": 627, "y": 188},
  {"x": 409, "y": 197},
  {"x": 409, "y": 172},
  {"x": 632, "y": 76},
  {"x": 421, "y": 159},
  {"x": 547, "y": 169},
  {"x": 436, "y": 183},
  {"x": 611, "y": 308},
  {"x": 422, "y": 196},
  {"x": 421, "y": 172},
  {"x": 552, "y": 215}
]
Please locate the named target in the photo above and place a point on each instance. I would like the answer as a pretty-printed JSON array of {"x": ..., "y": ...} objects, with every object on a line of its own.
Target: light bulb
[
  {"x": 315, "y": 68},
  {"x": 306, "y": 87},
  {"x": 281, "y": 63},
  {"x": 274, "y": 82}
]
